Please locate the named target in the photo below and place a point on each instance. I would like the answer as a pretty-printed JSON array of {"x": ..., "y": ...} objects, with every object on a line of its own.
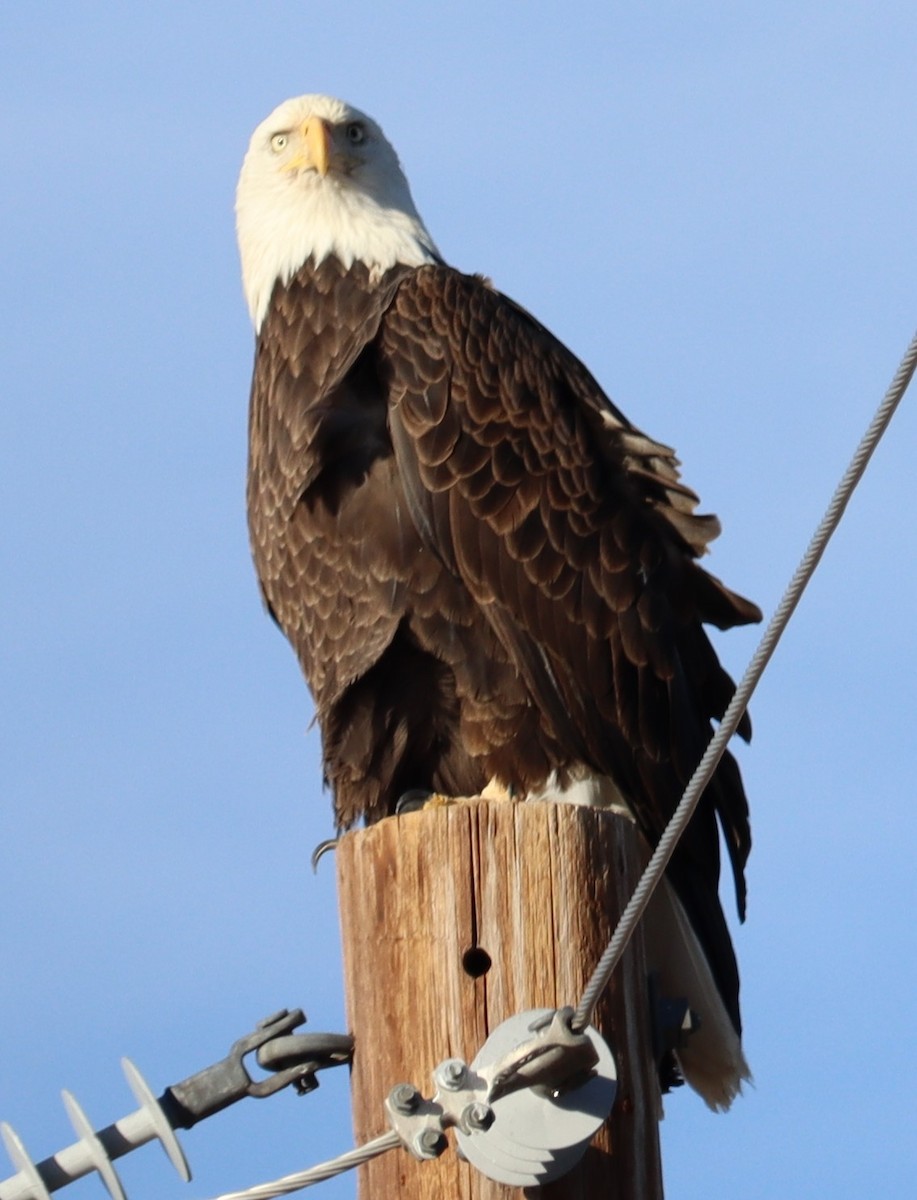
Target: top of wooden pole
[{"x": 457, "y": 917}]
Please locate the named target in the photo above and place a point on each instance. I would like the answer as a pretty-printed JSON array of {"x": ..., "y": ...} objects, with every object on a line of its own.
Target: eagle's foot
[
  {"x": 418, "y": 798},
  {"x": 495, "y": 790}
]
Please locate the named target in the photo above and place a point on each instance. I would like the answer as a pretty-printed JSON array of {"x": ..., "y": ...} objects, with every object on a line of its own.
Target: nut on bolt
[
  {"x": 451, "y": 1074},
  {"x": 477, "y": 1118},
  {"x": 430, "y": 1143},
  {"x": 404, "y": 1098}
]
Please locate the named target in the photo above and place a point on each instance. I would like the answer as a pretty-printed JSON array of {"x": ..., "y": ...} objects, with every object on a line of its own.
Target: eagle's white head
[{"x": 320, "y": 178}]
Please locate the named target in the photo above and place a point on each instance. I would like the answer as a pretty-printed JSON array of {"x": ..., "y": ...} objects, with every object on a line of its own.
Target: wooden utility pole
[{"x": 427, "y": 901}]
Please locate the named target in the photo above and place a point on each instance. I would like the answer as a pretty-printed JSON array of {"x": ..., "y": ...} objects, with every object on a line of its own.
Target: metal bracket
[
  {"x": 553, "y": 1059},
  {"x": 459, "y": 1101},
  {"x": 293, "y": 1059},
  {"x": 524, "y": 1110}
]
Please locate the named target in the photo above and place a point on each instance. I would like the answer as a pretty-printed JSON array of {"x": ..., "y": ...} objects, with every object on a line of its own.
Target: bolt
[
  {"x": 404, "y": 1099},
  {"x": 451, "y": 1074},
  {"x": 430, "y": 1143},
  {"x": 477, "y": 1118}
]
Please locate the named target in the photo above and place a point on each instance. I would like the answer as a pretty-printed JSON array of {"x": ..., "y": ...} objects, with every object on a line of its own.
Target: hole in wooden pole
[{"x": 476, "y": 962}]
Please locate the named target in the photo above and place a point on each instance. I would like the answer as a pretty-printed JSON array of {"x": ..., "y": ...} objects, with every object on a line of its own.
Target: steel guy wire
[
  {"x": 319, "y": 1173},
  {"x": 655, "y": 868},
  {"x": 635, "y": 908}
]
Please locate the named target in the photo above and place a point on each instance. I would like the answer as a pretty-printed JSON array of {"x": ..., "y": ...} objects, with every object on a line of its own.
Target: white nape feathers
[{"x": 320, "y": 178}]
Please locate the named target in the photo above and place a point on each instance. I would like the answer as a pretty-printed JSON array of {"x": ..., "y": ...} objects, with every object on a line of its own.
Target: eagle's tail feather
[{"x": 711, "y": 1060}]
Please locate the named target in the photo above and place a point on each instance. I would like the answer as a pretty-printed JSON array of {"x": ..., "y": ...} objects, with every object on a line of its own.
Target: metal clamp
[
  {"x": 459, "y": 1101},
  {"x": 293, "y": 1059},
  {"x": 554, "y": 1058},
  {"x": 524, "y": 1110}
]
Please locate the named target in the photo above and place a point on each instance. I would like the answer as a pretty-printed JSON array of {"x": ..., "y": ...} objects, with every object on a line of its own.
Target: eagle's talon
[
  {"x": 417, "y": 798},
  {"x": 413, "y": 800},
  {"x": 321, "y": 849}
]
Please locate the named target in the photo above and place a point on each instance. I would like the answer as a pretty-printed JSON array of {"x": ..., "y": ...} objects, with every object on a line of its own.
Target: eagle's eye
[
  {"x": 355, "y": 133},
  {"x": 278, "y": 142}
]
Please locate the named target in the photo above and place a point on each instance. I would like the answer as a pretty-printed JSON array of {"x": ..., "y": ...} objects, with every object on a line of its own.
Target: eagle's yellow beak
[
  {"x": 316, "y": 134},
  {"x": 315, "y": 154}
]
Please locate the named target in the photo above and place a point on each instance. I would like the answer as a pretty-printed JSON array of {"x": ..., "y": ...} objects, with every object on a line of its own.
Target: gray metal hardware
[
  {"x": 292, "y": 1058},
  {"x": 524, "y": 1110}
]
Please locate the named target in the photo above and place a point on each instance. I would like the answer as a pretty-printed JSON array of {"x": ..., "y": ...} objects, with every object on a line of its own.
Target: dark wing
[
  {"x": 331, "y": 567},
  {"x": 372, "y": 615},
  {"x": 575, "y": 537}
]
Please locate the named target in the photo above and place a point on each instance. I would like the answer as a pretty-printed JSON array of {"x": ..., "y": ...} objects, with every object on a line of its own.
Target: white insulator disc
[
  {"x": 159, "y": 1122},
  {"x": 537, "y": 1137},
  {"x": 33, "y": 1184},
  {"x": 93, "y": 1146}
]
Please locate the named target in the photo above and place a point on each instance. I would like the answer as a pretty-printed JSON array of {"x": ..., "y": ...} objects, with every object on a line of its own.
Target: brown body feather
[{"x": 484, "y": 569}]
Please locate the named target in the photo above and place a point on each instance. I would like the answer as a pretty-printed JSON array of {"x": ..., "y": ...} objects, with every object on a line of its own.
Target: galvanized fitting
[
  {"x": 430, "y": 1143},
  {"x": 404, "y": 1098},
  {"x": 450, "y": 1074},
  {"x": 476, "y": 1118}
]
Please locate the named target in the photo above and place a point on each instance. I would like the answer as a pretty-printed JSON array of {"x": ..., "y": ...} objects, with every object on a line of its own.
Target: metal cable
[
  {"x": 654, "y": 870},
  {"x": 651, "y": 876},
  {"x": 317, "y": 1174}
]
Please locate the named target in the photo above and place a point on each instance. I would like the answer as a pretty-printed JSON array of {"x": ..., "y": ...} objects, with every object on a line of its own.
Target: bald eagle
[{"x": 488, "y": 574}]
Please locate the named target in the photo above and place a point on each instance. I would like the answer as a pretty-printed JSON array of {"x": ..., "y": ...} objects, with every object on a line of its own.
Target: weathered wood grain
[{"x": 539, "y": 888}]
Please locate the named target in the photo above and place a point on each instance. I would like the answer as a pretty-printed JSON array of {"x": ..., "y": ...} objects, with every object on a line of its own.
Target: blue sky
[{"x": 713, "y": 205}]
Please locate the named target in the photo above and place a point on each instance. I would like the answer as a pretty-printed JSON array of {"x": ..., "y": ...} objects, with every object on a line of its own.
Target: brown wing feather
[
  {"x": 483, "y": 568},
  {"x": 310, "y": 442},
  {"x": 411, "y": 685},
  {"x": 572, "y": 531}
]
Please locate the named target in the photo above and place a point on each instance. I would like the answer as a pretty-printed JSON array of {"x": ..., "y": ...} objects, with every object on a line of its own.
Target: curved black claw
[
  {"x": 412, "y": 801},
  {"x": 321, "y": 849}
]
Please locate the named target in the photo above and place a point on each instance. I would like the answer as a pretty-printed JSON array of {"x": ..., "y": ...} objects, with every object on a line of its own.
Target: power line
[
  {"x": 654, "y": 870},
  {"x": 653, "y": 873},
  {"x": 150, "y": 1123},
  {"x": 319, "y": 1173}
]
